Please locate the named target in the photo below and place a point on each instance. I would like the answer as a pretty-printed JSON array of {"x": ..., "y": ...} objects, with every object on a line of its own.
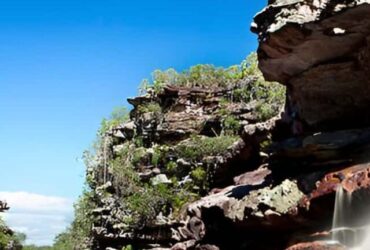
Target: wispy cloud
[{"x": 40, "y": 217}]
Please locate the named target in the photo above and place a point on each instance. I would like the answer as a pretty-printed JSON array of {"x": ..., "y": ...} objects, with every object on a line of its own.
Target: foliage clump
[
  {"x": 231, "y": 125},
  {"x": 151, "y": 107},
  {"x": 118, "y": 116},
  {"x": 199, "y": 176},
  {"x": 184, "y": 164},
  {"x": 270, "y": 96},
  {"x": 124, "y": 176},
  {"x": 273, "y": 96},
  {"x": 34, "y": 247},
  {"x": 9, "y": 239},
  {"x": 142, "y": 200},
  {"x": 201, "y": 75},
  {"x": 198, "y": 147},
  {"x": 76, "y": 236}
]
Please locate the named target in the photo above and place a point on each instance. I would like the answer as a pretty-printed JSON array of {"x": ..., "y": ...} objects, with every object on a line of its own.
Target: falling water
[
  {"x": 366, "y": 244},
  {"x": 355, "y": 238},
  {"x": 341, "y": 233}
]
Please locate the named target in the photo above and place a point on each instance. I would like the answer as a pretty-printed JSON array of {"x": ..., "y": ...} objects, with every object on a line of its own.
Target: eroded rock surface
[
  {"x": 320, "y": 50},
  {"x": 317, "y": 246},
  {"x": 273, "y": 187},
  {"x": 180, "y": 144}
]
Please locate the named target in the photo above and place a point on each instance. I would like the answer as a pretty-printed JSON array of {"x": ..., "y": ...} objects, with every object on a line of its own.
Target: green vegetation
[
  {"x": 117, "y": 117},
  {"x": 171, "y": 167},
  {"x": 129, "y": 247},
  {"x": 273, "y": 96},
  {"x": 198, "y": 147},
  {"x": 194, "y": 150},
  {"x": 199, "y": 176},
  {"x": 202, "y": 75},
  {"x": 156, "y": 156},
  {"x": 138, "y": 155},
  {"x": 77, "y": 234},
  {"x": 147, "y": 203},
  {"x": 8, "y": 238},
  {"x": 231, "y": 125},
  {"x": 65, "y": 241},
  {"x": 270, "y": 96},
  {"x": 125, "y": 177},
  {"x": 4, "y": 239},
  {"x": 141, "y": 198},
  {"x": 33, "y": 247},
  {"x": 151, "y": 107}
]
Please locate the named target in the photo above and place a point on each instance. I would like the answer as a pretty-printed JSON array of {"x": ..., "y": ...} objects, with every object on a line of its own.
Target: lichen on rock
[{"x": 216, "y": 162}]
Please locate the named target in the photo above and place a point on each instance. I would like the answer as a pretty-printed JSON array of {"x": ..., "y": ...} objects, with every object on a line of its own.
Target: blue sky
[{"x": 65, "y": 64}]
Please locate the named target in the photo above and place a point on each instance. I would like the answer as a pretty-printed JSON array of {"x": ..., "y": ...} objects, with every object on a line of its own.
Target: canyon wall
[
  {"x": 202, "y": 168},
  {"x": 320, "y": 50}
]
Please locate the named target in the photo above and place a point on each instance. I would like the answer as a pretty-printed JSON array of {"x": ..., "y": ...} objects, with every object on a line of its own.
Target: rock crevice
[{"x": 242, "y": 181}]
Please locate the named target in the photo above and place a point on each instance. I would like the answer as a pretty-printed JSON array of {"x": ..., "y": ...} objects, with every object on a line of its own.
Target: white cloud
[{"x": 40, "y": 217}]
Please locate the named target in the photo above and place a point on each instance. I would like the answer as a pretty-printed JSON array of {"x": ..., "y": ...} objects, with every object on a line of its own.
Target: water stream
[{"x": 343, "y": 229}]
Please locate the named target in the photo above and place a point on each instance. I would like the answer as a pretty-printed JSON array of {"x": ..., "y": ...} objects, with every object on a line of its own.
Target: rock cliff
[
  {"x": 202, "y": 168},
  {"x": 179, "y": 144},
  {"x": 320, "y": 50}
]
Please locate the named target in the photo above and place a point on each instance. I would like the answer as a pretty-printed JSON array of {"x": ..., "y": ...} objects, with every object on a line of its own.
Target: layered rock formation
[
  {"x": 320, "y": 50},
  {"x": 179, "y": 144},
  {"x": 247, "y": 182}
]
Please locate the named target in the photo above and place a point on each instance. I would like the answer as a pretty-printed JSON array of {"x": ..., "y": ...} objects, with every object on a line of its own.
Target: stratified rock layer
[
  {"x": 321, "y": 51},
  {"x": 317, "y": 246},
  {"x": 164, "y": 144},
  {"x": 274, "y": 188},
  {"x": 269, "y": 190}
]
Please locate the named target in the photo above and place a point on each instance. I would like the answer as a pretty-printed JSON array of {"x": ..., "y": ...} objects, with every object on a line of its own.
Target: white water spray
[
  {"x": 355, "y": 238},
  {"x": 341, "y": 233},
  {"x": 366, "y": 243}
]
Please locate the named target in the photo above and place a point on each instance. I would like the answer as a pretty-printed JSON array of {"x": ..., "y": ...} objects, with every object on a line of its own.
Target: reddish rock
[
  {"x": 253, "y": 178},
  {"x": 184, "y": 245},
  {"x": 318, "y": 245},
  {"x": 352, "y": 179},
  {"x": 321, "y": 51},
  {"x": 207, "y": 247}
]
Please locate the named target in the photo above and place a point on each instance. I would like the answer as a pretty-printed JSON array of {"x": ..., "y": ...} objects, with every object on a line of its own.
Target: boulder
[
  {"x": 160, "y": 179},
  {"x": 321, "y": 51}
]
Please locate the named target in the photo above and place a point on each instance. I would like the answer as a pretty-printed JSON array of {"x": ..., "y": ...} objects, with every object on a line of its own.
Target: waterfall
[
  {"x": 342, "y": 209},
  {"x": 366, "y": 244},
  {"x": 355, "y": 238}
]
